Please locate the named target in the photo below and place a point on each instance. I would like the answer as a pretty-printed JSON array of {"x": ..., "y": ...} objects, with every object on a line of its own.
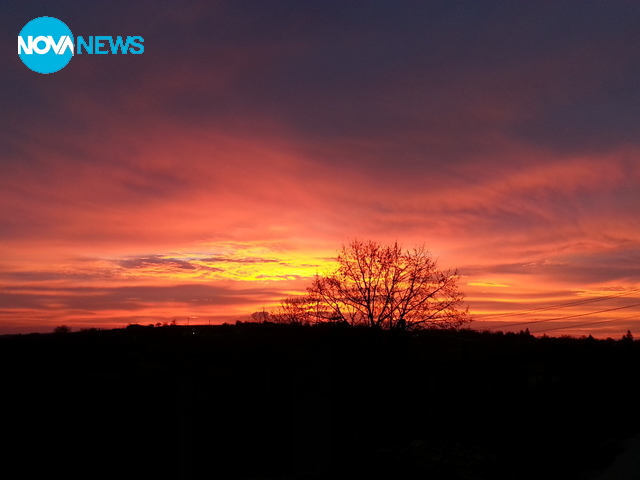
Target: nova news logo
[{"x": 46, "y": 45}]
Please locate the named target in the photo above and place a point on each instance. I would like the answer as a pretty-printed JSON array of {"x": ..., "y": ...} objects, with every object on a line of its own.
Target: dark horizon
[{"x": 273, "y": 401}]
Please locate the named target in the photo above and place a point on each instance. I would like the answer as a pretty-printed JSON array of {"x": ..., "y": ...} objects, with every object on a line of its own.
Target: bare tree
[
  {"x": 260, "y": 317},
  {"x": 384, "y": 286},
  {"x": 296, "y": 309}
]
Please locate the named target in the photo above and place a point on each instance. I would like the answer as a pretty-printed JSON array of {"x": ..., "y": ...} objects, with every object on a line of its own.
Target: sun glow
[
  {"x": 253, "y": 263},
  {"x": 488, "y": 284}
]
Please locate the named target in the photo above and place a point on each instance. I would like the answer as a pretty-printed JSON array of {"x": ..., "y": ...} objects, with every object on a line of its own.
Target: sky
[{"x": 223, "y": 168}]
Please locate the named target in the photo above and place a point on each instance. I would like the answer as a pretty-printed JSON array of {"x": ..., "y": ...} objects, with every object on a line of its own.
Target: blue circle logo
[{"x": 45, "y": 45}]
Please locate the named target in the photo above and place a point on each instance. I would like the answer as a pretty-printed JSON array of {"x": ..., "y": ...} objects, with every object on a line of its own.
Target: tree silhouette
[
  {"x": 296, "y": 310},
  {"x": 260, "y": 316},
  {"x": 384, "y": 286}
]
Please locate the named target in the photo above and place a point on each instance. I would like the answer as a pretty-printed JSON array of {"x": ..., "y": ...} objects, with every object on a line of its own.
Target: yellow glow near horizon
[
  {"x": 253, "y": 263},
  {"x": 488, "y": 284}
]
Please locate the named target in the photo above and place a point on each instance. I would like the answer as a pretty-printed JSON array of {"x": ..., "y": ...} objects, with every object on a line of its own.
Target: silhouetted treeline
[{"x": 275, "y": 401}]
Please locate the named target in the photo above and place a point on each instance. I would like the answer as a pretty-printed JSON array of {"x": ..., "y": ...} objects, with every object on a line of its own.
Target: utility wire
[
  {"x": 561, "y": 305},
  {"x": 509, "y": 324},
  {"x": 585, "y": 324},
  {"x": 571, "y": 326}
]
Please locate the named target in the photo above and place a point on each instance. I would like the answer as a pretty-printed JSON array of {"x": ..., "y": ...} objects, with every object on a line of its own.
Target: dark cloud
[
  {"x": 620, "y": 265},
  {"x": 552, "y": 73},
  {"x": 594, "y": 268},
  {"x": 130, "y": 298},
  {"x": 155, "y": 260},
  {"x": 229, "y": 259}
]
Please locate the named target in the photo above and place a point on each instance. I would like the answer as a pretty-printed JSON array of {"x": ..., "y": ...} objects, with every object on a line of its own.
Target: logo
[{"x": 46, "y": 45}]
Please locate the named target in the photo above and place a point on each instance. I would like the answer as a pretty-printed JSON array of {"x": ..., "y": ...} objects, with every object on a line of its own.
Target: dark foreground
[{"x": 269, "y": 401}]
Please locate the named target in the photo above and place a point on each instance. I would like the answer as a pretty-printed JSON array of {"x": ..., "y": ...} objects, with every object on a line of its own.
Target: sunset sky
[{"x": 223, "y": 167}]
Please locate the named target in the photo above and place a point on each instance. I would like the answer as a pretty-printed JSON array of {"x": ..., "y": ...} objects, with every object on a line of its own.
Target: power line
[
  {"x": 561, "y": 305},
  {"x": 564, "y": 317},
  {"x": 585, "y": 324},
  {"x": 571, "y": 326}
]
